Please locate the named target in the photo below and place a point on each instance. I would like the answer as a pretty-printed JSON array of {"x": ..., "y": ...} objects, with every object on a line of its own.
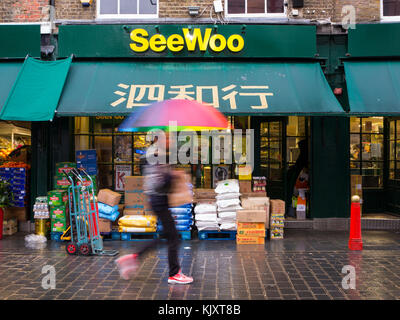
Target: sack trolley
[{"x": 84, "y": 217}]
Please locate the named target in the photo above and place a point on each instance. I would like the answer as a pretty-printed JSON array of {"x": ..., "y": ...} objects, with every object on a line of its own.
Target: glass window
[
  {"x": 391, "y": 8},
  {"x": 366, "y": 150},
  {"x": 255, "y": 7},
  {"x": 394, "y": 149},
  {"x": 236, "y": 6},
  {"x": 271, "y": 150},
  {"x": 116, "y": 8},
  {"x": 296, "y": 131}
]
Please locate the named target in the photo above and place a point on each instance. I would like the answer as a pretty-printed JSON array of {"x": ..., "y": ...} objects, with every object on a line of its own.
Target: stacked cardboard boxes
[
  {"x": 111, "y": 199},
  {"x": 277, "y": 218},
  {"x": 136, "y": 202},
  {"x": 253, "y": 220},
  {"x": 57, "y": 201},
  {"x": 250, "y": 226},
  {"x": 87, "y": 160}
]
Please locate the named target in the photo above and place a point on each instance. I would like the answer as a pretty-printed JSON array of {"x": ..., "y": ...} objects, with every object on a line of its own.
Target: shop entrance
[
  {"x": 268, "y": 149},
  {"x": 281, "y": 153}
]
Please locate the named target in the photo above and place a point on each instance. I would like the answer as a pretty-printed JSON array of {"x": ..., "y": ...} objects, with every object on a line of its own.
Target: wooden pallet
[
  {"x": 183, "y": 235},
  {"x": 217, "y": 235},
  {"x": 139, "y": 236}
]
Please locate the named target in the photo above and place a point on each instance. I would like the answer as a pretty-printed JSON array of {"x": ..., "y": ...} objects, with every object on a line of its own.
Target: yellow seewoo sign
[{"x": 176, "y": 42}]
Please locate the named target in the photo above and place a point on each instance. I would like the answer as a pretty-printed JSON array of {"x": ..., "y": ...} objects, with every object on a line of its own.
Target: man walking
[{"x": 158, "y": 181}]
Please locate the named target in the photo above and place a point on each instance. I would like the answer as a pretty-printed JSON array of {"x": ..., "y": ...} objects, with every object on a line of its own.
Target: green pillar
[{"x": 330, "y": 175}]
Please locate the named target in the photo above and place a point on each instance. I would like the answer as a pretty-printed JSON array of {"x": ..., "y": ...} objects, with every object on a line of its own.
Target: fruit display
[{"x": 12, "y": 164}]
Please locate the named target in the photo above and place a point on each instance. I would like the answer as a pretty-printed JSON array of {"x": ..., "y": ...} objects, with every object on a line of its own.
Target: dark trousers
[{"x": 159, "y": 205}]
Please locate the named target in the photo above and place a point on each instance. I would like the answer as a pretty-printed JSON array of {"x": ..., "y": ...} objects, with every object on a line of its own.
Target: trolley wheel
[
  {"x": 84, "y": 249},
  {"x": 71, "y": 248}
]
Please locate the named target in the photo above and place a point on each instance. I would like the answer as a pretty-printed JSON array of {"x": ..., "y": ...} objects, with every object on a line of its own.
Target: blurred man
[{"x": 157, "y": 185}]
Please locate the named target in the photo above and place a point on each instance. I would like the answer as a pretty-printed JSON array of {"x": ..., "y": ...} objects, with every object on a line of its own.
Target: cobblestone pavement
[{"x": 305, "y": 265}]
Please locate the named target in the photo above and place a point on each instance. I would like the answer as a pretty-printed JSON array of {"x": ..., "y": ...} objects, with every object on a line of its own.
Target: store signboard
[
  {"x": 187, "y": 41},
  {"x": 121, "y": 171}
]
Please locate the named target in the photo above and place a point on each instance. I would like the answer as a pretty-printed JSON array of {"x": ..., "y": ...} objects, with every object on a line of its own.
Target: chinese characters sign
[{"x": 138, "y": 95}]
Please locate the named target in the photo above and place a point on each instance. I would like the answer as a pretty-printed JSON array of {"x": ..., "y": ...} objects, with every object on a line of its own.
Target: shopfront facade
[
  {"x": 281, "y": 85},
  {"x": 273, "y": 84}
]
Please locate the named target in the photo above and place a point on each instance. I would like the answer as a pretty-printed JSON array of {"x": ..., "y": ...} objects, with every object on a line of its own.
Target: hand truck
[{"x": 84, "y": 217}]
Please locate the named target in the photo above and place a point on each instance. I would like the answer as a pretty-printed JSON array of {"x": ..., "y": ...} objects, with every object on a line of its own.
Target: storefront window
[
  {"x": 394, "y": 149},
  {"x": 366, "y": 150},
  {"x": 127, "y": 8},
  {"x": 390, "y": 8},
  {"x": 271, "y": 150},
  {"x": 296, "y": 131}
]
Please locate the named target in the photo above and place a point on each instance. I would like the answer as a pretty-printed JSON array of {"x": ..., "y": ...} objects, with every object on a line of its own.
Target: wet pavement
[{"x": 307, "y": 264}]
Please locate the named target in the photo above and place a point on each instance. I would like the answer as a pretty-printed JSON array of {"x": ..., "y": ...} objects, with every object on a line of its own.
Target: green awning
[
  {"x": 8, "y": 74},
  {"x": 373, "y": 87},
  {"x": 36, "y": 91},
  {"x": 116, "y": 88}
]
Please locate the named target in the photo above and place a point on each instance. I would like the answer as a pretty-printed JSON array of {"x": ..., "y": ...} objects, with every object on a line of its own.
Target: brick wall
[
  {"x": 24, "y": 10},
  {"x": 73, "y": 10},
  {"x": 38, "y": 10}
]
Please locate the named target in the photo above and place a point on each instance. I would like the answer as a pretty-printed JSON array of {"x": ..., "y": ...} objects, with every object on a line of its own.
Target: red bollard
[{"x": 355, "y": 241}]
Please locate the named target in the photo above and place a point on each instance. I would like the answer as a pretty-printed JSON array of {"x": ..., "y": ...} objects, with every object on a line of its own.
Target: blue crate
[
  {"x": 5, "y": 170},
  {"x": 86, "y": 156},
  {"x": 19, "y": 181},
  {"x": 217, "y": 235},
  {"x": 139, "y": 236},
  {"x": 19, "y": 171},
  {"x": 6, "y": 175},
  {"x": 18, "y": 188},
  {"x": 19, "y": 204},
  {"x": 18, "y": 193},
  {"x": 56, "y": 236}
]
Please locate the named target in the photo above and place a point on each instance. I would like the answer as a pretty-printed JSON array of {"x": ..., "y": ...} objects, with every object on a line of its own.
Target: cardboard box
[
  {"x": 64, "y": 166},
  {"x": 249, "y": 240},
  {"x": 209, "y": 201},
  {"x": 86, "y": 156},
  {"x": 253, "y": 194},
  {"x": 200, "y": 194},
  {"x": 59, "y": 212},
  {"x": 245, "y": 186},
  {"x": 277, "y": 206},
  {"x": 250, "y": 225},
  {"x": 109, "y": 197},
  {"x": 57, "y": 197},
  {"x": 180, "y": 192},
  {"x": 61, "y": 182},
  {"x": 141, "y": 212},
  {"x": 257, "y": 203},
  {"x": 135, "y": 197},
  {"x": 104, "y": 225},
  {"x": 251, "y": 216},
  {"x": 276, "y": 233},
  {"x": 251, "y": 232},
  {"x": 134, "y": 182},
  {"x": 58, "y": 225},
  {"x": 20, "y": 214}
]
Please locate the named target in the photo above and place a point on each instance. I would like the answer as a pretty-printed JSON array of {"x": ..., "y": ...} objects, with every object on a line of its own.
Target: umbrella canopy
[{"x": 173, "y": 115}]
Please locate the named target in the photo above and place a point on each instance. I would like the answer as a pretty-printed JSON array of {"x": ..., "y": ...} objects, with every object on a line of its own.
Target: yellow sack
[
  {"x": 134, "y": 229},
  {"x": 138, "y": 221}
]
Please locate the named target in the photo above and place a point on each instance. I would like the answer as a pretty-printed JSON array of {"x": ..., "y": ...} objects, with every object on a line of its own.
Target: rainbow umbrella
[{"x": 175, "y": 115}]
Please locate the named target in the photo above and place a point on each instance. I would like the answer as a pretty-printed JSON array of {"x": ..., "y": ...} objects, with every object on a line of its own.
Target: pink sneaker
[
  {"x": 180, "y": 278},
  {"x": 127, "y": 265}
]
